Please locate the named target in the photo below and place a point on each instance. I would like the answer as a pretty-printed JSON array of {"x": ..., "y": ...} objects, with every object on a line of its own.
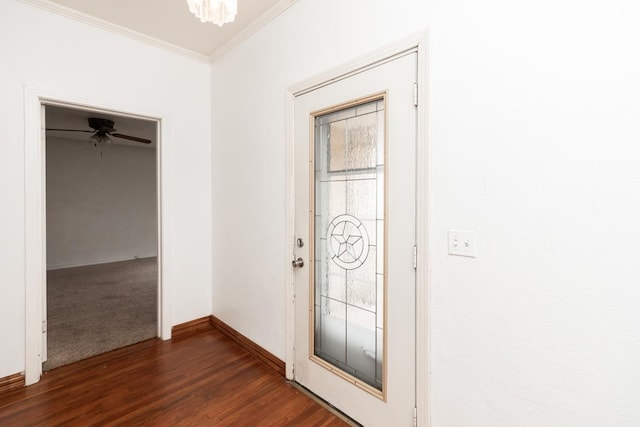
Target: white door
[{"x": 355, "y": 190}]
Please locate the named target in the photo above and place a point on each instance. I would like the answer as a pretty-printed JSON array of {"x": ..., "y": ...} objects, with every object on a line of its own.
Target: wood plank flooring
[{"x": 201, "y": 378}]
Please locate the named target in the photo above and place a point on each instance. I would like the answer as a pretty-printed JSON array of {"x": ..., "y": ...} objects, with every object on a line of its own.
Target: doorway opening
[{"x": 101, "y": 231}]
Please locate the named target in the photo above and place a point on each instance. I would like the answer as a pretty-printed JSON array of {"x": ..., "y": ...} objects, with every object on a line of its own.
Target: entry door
[{"x": 355, "y": 189}]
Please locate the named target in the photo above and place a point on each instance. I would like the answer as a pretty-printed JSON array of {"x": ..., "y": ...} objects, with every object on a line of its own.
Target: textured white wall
[
  {"x": 99, "y": 209},
  {"x": 534, "y": 144},
  {"x": 55, "y": 54}
]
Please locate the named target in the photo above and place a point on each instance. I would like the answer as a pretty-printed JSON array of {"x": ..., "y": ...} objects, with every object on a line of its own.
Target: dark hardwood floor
[{"x": 200, "y": 378}]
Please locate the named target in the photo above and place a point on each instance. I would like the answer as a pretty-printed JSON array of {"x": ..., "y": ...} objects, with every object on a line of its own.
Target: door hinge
[
  {"x": 44, "y": 326},
  {"x": 415, "y": 416},
  {"x": 415, "y": 256},
  {"x": 415, "y": 94}
]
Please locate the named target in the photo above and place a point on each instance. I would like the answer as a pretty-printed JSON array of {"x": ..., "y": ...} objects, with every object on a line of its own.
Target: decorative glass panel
[{"x": 349, "y": 240}]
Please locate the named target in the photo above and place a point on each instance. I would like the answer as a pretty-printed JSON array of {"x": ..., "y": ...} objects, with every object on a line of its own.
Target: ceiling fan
[{"x": 103, "y": 130}]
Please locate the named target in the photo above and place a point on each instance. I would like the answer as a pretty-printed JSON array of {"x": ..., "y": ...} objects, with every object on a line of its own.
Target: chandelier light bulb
[{"x": 217, "y": 11}]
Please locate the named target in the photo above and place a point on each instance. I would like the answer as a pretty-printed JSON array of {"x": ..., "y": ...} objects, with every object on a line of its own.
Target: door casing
[
  {"x": 35, "y": 218},
  {"x": 419, "y": 42}
]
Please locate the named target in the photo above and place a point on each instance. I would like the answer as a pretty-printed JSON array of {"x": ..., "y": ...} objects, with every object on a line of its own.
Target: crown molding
[
  {"x": 114, "y": 28},
  {"x": 252, "y": 28}
]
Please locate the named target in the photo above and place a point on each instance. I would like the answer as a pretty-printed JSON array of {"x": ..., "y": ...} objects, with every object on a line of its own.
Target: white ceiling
[
  {"x": 69, "y": 118},
  {"x": 171, "y": 22}
]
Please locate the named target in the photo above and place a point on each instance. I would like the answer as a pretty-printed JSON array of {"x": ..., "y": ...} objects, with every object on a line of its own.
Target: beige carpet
[{"x": 98, "y": 308}]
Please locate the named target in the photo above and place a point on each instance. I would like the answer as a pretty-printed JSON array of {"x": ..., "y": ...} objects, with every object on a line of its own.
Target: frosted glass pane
[
  {"x": 379, "y": 350},
  {"x": 372, "y": 230},
  {"x": 331, "y": 331},
  {"x": 336, "y": 116},
  {"x": 380, "y": 248},
  {"x": 380, "y": 301},
  {"x": 335, "y": 283},
  {"x": 337, "y": 145},
  {"x": 362, "y": 147},
  {"x": 321, "y": 241},
  {"x": 380, "y": 194},
  {"x": 361, "y": 343},
  {"x": 331, "y": 200},
  {"x": 361, "y": 284},
  {"x": 381, "y": 147},
  {"x": 371, "y": 107},
  {"x": 361, "y": 199},
  {"x": 349, "y": 231}
]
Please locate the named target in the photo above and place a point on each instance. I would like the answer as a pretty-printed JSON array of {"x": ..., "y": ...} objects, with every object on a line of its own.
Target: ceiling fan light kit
[
  {"x": 99, "y": 139},
  {"x": 217, "y": 11}
]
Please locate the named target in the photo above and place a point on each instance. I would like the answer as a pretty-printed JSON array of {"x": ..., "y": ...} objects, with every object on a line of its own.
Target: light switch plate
[{"x": 462, "y": 243}]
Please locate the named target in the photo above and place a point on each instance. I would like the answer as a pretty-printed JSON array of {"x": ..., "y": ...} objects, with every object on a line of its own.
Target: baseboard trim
[
  {"x": 251, "y": 347},
  {"x": 11, "y": 382},
  {"x": 260, "y": 353},
  {"x": 189, "y": 327}
]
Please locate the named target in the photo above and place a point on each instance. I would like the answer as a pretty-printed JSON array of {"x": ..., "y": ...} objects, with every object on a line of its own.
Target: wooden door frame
[
  {"x": 35, "y": 215},
  {"x": 418, "y": 42}
]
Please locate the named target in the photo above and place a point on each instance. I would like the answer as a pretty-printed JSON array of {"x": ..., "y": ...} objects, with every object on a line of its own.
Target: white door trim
[
  {"x": 35, "y": 216},
  {"x": 419, "y": 42}
]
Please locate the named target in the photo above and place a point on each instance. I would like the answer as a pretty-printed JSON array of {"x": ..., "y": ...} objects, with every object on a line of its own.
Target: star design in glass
[{"x": 347, "y": 236}]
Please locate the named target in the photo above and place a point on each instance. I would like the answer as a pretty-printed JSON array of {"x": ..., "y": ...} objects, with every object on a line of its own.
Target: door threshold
[{"x": 328, "y": 406}]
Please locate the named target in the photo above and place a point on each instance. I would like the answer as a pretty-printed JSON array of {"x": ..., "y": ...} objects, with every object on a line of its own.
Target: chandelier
[{"x": 217, "y": 11}]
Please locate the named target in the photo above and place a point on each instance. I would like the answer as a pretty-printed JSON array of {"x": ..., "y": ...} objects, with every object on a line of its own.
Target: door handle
[{"x": 297, "y": 263}]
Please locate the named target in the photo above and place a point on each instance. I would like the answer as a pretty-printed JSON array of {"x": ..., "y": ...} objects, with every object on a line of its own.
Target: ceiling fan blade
[
  {"x": 72, "y": 130},
  {"x": 131, "y": 138}
]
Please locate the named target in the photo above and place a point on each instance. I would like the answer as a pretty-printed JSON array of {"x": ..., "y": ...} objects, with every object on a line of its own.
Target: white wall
[
  {"x": 534, "y": 111},
  {"x": 55, "y": 54},
  {"x": 99, "y": 208}
]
